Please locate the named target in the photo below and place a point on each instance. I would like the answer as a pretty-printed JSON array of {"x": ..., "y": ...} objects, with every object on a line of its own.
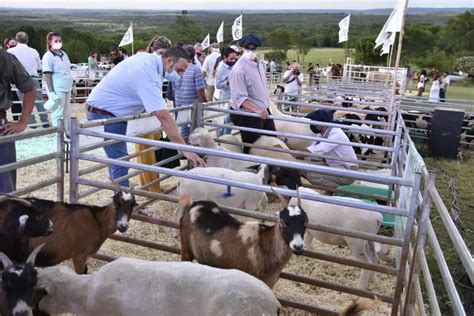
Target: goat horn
[
  {"x": 281, "y": 197},
  {"x": 32, "y": 257},
  {"x": 24, "y": 201},
  {"x": 5, "y": 260},
  {"x": 116, "y": 185}
]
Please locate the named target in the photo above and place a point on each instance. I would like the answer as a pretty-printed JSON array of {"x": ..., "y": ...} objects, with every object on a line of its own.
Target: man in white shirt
[
  {"x": 198, "y": 57},
  {"x": 331, "y": 150},
  {"x": 293, "y": 80},
  {"x": 273, "y": 66},
  {"x": 208, "y": 70},
  {"x": 31, "y": 61}
]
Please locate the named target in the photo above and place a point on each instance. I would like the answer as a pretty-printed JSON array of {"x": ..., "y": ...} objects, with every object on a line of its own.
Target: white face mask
[
  {"x": 57, "y": 46},
  {"x": 250, "y": 55}
]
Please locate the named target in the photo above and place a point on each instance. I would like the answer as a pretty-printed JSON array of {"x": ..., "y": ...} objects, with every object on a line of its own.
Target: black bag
[{"x": 165, "y": 153}]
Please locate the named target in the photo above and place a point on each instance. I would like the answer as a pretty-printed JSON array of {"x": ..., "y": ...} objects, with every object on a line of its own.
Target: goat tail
[{"x": 356, "y": 307}]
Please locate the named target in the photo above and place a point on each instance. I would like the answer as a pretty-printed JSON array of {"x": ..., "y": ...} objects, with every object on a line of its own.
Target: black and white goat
[{"x": 213, "y": 237}]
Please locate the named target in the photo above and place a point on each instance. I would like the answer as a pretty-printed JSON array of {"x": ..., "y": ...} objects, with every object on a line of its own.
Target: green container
[{"x": 388, "y": 219}]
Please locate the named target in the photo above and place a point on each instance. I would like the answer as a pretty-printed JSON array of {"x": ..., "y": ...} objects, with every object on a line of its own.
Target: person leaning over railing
[
  {"x": 13, "y": 73},
  {"x": 132, "y": 87}
]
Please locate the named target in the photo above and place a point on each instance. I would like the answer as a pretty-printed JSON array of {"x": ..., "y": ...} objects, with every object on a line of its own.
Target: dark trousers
[
  {"x": 442, "y": 95},
  {"x": 7, "y": 156},
  {"x": 252, "y": 122}
]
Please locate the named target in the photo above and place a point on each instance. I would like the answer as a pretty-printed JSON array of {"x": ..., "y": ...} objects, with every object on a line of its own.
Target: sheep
[
  {"x": 227, "y": 195},
  {"x": 201, "y": 137},
  {"x": 213, "y": 237},
  {"x": 80, "y": 229},
  {"x": 293, "y": 128},
  {"x": 136, "y": 287},
  {"x": 348, "y": 218},
  {"x": 17, "y": 285},
  {"x": 19, "y": 221},
  {"x": 231, "y": 147}
]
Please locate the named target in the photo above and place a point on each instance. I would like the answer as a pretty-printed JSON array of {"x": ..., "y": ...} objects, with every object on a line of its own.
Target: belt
[{"x": 98, "y": 111}]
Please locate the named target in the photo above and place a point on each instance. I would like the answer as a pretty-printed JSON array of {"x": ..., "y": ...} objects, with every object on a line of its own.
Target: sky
[{"x": 234, "y": 5}]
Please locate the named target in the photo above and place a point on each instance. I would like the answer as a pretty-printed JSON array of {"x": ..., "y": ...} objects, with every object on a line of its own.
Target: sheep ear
[
  {"x": 282, "y": 199},
  {"x": 5, "y": 260},
  {"x": 22, "y": 222},
  {"x": 32, "y": 257}
]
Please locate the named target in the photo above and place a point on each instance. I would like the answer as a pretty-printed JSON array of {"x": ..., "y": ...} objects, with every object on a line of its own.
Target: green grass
[
  {"x": 321, "y": 56},
  {"x": 459, "y": 90}
]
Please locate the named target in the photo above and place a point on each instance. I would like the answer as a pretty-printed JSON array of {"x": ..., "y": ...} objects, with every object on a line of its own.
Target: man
[
  {"x": 207, "y": 70},
  {"x": 293, "y": 80},
  {"x": 118, "y": 57},
  {"x": 190, "y": 87},
  {"x": 31, "y": 61},
  {"x": 229, "y": 58},
  {"x": 249, "y": 92},
  {"x": 13, "y": 73},
  {"x": 134, "y": 86},
  {"x": 330, "y": 149},
  {"x": 273, "y": 66},
  {"x": 443, "y": 86},
  {"x": 198, "y": 57}
]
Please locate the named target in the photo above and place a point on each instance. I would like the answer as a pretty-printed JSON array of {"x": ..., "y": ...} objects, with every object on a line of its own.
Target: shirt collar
[{"x": 61, "y": 53}]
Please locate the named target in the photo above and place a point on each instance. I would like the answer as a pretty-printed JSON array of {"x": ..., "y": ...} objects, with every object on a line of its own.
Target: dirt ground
[{"x": 319, "y": 269}]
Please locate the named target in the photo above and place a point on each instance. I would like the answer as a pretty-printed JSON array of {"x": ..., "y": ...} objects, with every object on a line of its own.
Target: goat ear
[
  {"x": 5, "y": 260},
  {"x": 282, "y": 199},
  {"x": 185, "y": 200},
  {"x": 22, "y": 222},
  {"x": 32, "y": 257}
]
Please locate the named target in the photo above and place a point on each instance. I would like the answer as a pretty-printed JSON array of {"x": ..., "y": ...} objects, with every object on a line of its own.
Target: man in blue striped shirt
[{"x": 190, "y": 87}]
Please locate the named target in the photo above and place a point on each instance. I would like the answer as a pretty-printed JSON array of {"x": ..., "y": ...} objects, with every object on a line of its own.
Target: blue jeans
[
  {"x": 225, "y": 130},
  {"x": 114, "y": 151}
]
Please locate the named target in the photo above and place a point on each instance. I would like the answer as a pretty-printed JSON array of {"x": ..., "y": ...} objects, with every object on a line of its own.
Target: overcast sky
[{"x": 236, "y": 5}]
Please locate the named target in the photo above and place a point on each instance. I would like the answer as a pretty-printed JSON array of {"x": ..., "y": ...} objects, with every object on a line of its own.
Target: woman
[
  {"x": 310, "y": 72},
  {"x": 9, "y": 42},
  {"x": 57, "y": 73},
  {"x": 434, "y": 91},
  {"x": 421, "y": 83}
]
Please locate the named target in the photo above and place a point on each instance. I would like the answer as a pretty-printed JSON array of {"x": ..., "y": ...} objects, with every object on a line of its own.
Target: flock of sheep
[{"x": 239, "y": 262}]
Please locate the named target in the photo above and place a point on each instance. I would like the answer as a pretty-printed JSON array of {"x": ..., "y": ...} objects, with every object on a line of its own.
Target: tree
[
  {"x": 76, "y": 50},
  {"x": 458, "y": 35},
  {"x": 366, "y": 54},
  {"x": 279, "y": 39},
  {"x": 185, "y": 30},
  {"x": 301, "y": 44},
  {"x": 418, "y": 39},
  {"x": 466, "y": 64}
]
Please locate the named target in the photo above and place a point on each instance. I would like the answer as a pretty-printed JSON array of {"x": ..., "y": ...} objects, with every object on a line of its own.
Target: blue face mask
[{"x": 172, "y": 76}]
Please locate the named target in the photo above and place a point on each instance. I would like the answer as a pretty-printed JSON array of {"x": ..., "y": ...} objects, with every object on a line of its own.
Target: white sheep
[
  {"x": 227, "y": 195},
  {"x": 201, "y": 137},
  {"x": 231, "y": 147},
  {"x": 136, "y": 287},
  {"x": 348, "y": 218}
]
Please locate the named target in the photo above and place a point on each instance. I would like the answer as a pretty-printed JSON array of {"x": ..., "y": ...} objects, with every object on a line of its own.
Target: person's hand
[
  {"x": 13, "y": 127},
  {"x": 194, "y": 159},
  {"x": 263, "y": 113}
]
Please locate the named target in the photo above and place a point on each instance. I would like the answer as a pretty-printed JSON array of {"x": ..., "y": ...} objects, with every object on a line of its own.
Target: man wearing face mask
[
  {"x": 229, "y": 58},
  {"x": 199, "y": 56},
  {"x": 330, "y": 149},
  {"x": 249, "y": 92},
  {"x": 140, "y": 91},
  {"x": 207, "y": 70}
]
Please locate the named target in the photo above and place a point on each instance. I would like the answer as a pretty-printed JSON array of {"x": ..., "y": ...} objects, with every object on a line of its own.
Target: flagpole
[{"x": 133, "y": 52}]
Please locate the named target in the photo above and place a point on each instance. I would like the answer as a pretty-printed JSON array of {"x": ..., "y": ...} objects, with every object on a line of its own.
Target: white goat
[
  {"x": 293, "y": 128},
  {"x": 136, "y": 287},
  {"x": 227, "y": 195},
  {"x": 348, "y": 218},
  {"x": 201, "y": 137}
]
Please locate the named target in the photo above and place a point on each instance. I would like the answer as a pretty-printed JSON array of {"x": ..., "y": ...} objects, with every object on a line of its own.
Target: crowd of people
[{"x": 439, "y": 83}]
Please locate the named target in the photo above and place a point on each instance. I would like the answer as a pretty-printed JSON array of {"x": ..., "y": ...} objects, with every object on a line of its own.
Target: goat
[
  {"x": 136, "y": 287},
  {"x": 348, "y": 218},
  {"x": 227, "y": 195},
  {"x": 19, "y": 221},
  {"x": 17, "y": 285},
  {"x": 80, "y": 230},
  {"x": 213, "y": 237},
  {"x": 201, "y": 137}
]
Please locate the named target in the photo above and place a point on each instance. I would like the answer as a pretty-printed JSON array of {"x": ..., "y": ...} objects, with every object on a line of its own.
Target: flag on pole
[
  {"x": 388, "y": 43},
  {"x": 344, "y": 29},
  {"x": 206, "y": 42},
  {"x": 237, "y": 28},
  {"x": 220, "y": 33},
  {"x": 128, "y": 37},
  {"x": 393, "y": 24}
]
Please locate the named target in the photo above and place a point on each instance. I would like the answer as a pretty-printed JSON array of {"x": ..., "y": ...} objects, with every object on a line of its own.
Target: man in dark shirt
[
  {"x": 119, "y": 57},
  {"x": 12, "y": 72}
]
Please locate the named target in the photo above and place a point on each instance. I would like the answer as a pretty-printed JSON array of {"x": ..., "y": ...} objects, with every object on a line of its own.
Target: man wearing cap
[
  {"x": 249, "y": 92},
  {"x": 330, "y": 149},
  {"x": 208, "y": 70},
  {"x": 293, "y": 80}
]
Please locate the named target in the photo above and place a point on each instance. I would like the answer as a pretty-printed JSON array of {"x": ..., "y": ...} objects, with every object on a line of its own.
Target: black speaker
[{"x": 446, "y": 127}]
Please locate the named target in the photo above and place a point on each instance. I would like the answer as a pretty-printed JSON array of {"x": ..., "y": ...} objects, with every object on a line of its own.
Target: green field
[
  {"x": 458, "y": 90},
  {"x": 321, "y": 56}
]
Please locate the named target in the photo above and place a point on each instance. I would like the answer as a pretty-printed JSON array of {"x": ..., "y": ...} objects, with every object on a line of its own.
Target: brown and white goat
[
  {"x": 213, "y": 237},
  {"x": 80, "y": 230}
]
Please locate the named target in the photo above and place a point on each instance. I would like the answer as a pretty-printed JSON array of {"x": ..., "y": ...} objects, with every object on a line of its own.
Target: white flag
[
  {"x": 344, "y": 29},
  {"x": 206, "y": 42},
  {"x": 388, "y": 43},
  {"x": 393, "y": 24},
  {"x": 128, "y": 37},
  {"x": 237, "y": 28},
  {"x": 220, "y": 33}
]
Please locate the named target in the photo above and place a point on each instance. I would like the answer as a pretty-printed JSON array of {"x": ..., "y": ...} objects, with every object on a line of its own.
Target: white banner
[
  {"x": 220, "y": 33},
  {"x": 237, "y": 28},
  {"x": 128, "y": 37},
  {"x": 388, "y": 43},
  {"x": 393, "y": 24},
  {"x": 206, "y": 42},
  {"x": 344, "y": 29}
]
